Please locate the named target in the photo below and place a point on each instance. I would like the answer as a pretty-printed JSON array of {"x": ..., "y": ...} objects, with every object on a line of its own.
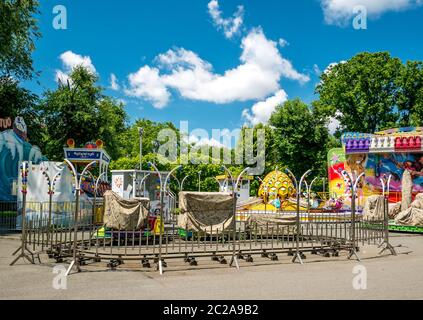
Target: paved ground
[{"x": 388, "y": 277}]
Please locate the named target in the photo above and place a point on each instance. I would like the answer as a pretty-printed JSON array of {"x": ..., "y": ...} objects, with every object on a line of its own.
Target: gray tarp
[
  {"x": 206, "y": 211},
  {"x": 267, "y": 224},
  {"x": 373, "y": 208},
  {"x": 413, "y": 216},
  {"x": 121, "y": 214}
]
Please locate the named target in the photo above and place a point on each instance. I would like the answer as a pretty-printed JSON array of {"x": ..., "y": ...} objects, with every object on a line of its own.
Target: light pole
[
  {"x": 140, "y": 132},
  {"x": 77, "y": 194}
]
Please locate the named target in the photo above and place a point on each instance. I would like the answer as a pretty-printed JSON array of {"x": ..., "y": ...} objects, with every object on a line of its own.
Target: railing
[
  {"x": 265, "y": 236},
  {"x": 11, "y": 212}
]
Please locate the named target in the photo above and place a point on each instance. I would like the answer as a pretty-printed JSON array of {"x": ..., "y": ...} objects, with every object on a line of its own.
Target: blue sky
[{"x": 224, "y": 59}]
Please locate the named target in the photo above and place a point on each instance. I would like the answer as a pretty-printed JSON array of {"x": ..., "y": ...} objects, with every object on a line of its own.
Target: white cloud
[
  {"x": 283, "y": 43},
  {"x": 340, "y": 12},
  {"x": 257, "y": 76},
  {"x": 70, "y": 60},
  {"x": 146, "y": 83},
  {"x": 193, "y": 139},
  {"x": 261, "y": 111},
  {"x": 114, "y": 85},
  {"x": 230, "y": 26}
]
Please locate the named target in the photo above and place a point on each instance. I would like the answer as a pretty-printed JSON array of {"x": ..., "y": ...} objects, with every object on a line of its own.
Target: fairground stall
[{"x": 392, "y": 163}]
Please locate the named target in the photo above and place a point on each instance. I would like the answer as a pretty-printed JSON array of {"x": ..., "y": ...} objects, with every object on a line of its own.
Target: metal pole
[
  {"x": 353, "y": 249},
  {"x": 385, "y": 243},
  {"x": 95, "y": 195},
  {"x": 298, "y": 253},
  {"x": 235, "y": 195},
  {"x": 75, "y": 230},
  {"x": 141, "y": 132},
  {"x": 182, "y": 183},
  {"x": 24, "y": 174},
  {"x": 160, "y": 265},
  {"x": 308, "y": 194}
]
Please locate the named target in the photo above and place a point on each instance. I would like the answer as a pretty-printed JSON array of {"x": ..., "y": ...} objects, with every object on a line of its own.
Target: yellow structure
[{"x": 276, "y": 185}]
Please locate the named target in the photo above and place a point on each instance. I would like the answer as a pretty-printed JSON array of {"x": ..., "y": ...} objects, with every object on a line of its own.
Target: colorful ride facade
[{"x": 378, "y": 156}]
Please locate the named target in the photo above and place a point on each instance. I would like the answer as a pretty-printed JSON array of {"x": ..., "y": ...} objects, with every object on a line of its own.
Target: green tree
[
  {"x": 410, "y": 95},
  {"x": 16, "y": 101},
  {"x": 130, "y": 138},
  {"x": 361, "y": 93},
  {"x": 300, "y": 138},
  {"x": 18, "y": 31},
  {"x": 81, "y": 111}
]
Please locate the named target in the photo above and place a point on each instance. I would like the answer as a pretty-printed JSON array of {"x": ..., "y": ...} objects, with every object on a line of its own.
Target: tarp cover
[
  {"x": 121, "y": 214},
  {"x": 373, "y": 208},
  {"x": 271, "y": 223},
  {"x": 206, "y": 211},
  {"x": 413, "y": 216}
]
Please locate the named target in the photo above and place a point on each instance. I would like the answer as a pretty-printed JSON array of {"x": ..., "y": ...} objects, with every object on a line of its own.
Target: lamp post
[
  {"x": 156, "y": 145},
  {"x": 140, "y": 132},
  {"x": 77, "y": 194}
]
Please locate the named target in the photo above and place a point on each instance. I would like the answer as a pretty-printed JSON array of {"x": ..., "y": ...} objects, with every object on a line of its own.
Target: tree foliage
[
  {"x": 361, "y": 93},
  {"x": 410, "y": 94},
  {"x": 18, "y": 32},
  {"x": 79, "y": 110},
  {"x": 300, "y": 138},
  {"x": 16, "y": 101}
]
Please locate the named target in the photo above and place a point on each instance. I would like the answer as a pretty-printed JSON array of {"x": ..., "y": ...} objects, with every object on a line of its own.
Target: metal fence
[
  {"x": 325, "y": 234},
  {"x": 11, "y": 212}
]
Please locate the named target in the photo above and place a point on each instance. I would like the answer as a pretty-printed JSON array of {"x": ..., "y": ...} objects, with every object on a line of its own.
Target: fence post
[
  {"x": 385, "y": 243},
  {"x": 75, "y": 261},
  {"x": 297, "y": 255},
  {"x": 353, "y": 248},
  {"x": 23, "y": 247}
]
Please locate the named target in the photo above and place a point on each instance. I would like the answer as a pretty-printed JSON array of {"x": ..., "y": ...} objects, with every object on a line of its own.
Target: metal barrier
[
  {"x": 75, "y": 234},
  {"x": 11, "y": 212},
  {"x": 324, "y": 234}
]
